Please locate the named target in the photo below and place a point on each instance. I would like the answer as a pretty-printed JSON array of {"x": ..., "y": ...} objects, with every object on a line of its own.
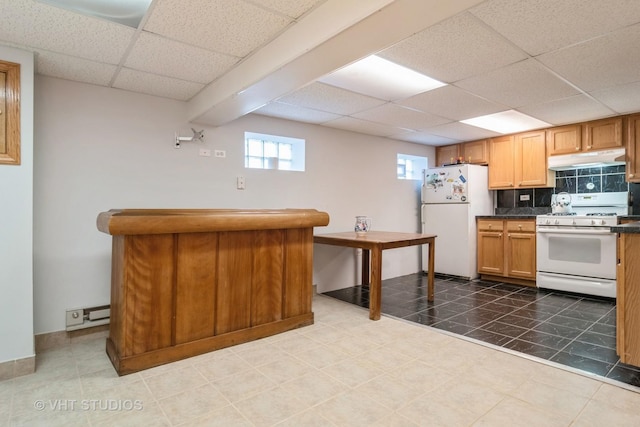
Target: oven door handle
[{"x": 573, "y": 231}]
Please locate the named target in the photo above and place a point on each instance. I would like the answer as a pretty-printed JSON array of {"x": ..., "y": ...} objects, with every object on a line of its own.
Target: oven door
[{"x": 576, "y": 251}]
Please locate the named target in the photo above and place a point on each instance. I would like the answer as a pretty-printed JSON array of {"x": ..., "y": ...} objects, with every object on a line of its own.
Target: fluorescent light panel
[
  {"x": 510, "y": 121},
  {"x": 380, "y": 78},
  {"x": 125, "y": 12}
]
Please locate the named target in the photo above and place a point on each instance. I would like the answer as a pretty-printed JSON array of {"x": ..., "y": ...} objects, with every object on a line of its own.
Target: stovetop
[{"x": 589, "y": 210}]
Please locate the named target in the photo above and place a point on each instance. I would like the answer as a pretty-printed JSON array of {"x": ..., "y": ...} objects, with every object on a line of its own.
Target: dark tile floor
[{"x": 570, "y": 329}]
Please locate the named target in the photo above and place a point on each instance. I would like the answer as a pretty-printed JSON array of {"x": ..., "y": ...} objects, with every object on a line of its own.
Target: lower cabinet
[
  {"x": 507, "y": 250},
  {"x": 628, "y": 299}
]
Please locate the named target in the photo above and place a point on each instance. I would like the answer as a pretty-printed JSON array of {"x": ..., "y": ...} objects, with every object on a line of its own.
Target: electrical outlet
[
  {"x": 240, "y": 183},
  {"x": 525, "y": 197},
  {"x": 220, "y": 153},
  {"x": 205, "y": 153}
]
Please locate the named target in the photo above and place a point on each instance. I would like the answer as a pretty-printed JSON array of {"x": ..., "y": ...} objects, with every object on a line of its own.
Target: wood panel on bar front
[{"x": 185, "y": 282}]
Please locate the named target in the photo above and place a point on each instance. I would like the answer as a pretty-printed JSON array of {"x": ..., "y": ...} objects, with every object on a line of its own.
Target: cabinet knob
[
  {"x": 577, "y": 148},
  {"x": 520, "y": 226},
  {"x": 509, "y": 235},
  {"x": 490, "y": 225},
  {"x": 631, "y": 175},
  {"x": 500, "y": 235},
  {"x": 589, "y": 146}
]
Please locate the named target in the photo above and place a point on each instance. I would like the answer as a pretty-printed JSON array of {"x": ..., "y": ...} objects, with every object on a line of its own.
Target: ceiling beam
[{"x": 308, "y": 51}]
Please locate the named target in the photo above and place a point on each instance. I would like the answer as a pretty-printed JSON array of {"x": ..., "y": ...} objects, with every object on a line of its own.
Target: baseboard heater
[{"x": 81, "y": 318}]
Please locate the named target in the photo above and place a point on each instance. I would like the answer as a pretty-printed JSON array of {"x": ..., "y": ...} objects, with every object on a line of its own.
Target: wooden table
[{"x": 372, "y": 245}]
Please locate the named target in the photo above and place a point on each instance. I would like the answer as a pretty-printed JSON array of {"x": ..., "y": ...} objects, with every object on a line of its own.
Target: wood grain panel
[
  {"x": 10, "y": 113},
  {"x": 149, "y": 278},
  {"x": 233, "y": 305},
  {"x": 268, "y": 266},
  {"x": 195, "y": 286},
  {"x": 298, "y": 272},
  {"x": 117, "y": 292}
]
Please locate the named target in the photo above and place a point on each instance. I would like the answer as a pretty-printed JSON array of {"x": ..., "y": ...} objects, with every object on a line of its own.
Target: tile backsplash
[{"x": 588, "y": 180}]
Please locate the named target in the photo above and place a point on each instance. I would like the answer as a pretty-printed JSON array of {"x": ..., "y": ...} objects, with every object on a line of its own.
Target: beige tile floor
[{"x": 344, "y": 370}]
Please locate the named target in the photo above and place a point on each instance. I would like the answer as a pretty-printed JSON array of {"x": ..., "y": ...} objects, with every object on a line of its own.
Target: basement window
[
  {"x": 263, "y": 151},
  {"x": 410, "y": 167}
]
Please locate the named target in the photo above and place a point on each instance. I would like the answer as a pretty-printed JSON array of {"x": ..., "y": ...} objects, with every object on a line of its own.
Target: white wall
[
  {"x": 99, "y": 149},
  {"x": 16, "y": 225}
]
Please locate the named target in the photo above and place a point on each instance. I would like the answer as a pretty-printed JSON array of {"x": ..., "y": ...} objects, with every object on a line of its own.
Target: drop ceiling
[{"x": 560, "y": 61}]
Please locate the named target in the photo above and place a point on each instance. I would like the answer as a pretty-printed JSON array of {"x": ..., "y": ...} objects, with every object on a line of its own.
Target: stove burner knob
[
  {"x": 593, "y": 222},
  {"x": 603, "y": 222},
  {"x": 547, "y": 222},
  {"x": 557, "y": 222},
  {"x": 574, "y": 222}
]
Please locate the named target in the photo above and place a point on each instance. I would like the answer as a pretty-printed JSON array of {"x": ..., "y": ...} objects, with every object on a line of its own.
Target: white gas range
[{"x": 576, "y": 251}]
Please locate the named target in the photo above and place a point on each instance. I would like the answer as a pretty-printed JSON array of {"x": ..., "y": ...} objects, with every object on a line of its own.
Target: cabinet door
[
  {"x": 633, "y": 148},
  {"x": 601, "y": 134},
  {"x": 501, "y": 162},
  {"x": 447, "y": 154},
  {"x": 476, "y": 152},
  {"x": 531, "y": 160},
  {"x": 491, "y": 252},
  {"x": 564, "y": 139},
  {"x": 521, "y": 255}
]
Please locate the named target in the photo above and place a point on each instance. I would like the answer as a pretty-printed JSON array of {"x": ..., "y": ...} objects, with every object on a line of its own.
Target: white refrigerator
[{"x": 452, "y": 197}]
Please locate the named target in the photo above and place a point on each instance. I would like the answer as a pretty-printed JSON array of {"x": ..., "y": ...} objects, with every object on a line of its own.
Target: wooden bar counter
[{"x": 185, "y": 282}]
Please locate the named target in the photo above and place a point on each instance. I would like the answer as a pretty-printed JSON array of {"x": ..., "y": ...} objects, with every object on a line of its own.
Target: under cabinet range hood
[{"x": 588, "y": 159}]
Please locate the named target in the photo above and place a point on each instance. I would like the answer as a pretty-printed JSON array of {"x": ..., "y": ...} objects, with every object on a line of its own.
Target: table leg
[
  {"x": 431, "y": 274},
  {"x": 375, "y": 288},
  {"x": 365, "y": 267}
]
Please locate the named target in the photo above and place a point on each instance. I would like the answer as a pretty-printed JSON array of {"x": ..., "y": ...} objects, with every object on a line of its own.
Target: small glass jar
[{"x": 363, "y": 224}]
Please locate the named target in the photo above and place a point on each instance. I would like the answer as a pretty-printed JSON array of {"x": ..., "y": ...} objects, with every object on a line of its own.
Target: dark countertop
[
  {"x": 633, "y": 217},
  {"x": 506, "y": 216},
  {"x": 632, "y": 227}
]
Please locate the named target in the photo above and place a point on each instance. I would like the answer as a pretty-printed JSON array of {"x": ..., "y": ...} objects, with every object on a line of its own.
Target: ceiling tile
[
  {"x": 622, "y": 99},
  {"x": 453, "y": 103},
  {"x": 319, "y": 96},
  {"x": 396, "y": 115},
  {"x": 151, "y": 84},
  {"x": 166, "y": 57},
  {"x": 232, "y": 27},
  {"x": 295, "y": 112},
  {"x": 599, "y": 63},
  {"x": 362, "y": 126},
  {"x": 292, "y": 8},
  {"x": 568, "y": 110},
  {"x": 461, "y": 132},
  {"x": 424, "y": 138},
  {"x": 545, "y": 25},
  {"x": 50, "y": 28},
  {"x": 75, "y": 69},
  {"x": 523, "y": 83},
  {"x": 455, "y": 49}
]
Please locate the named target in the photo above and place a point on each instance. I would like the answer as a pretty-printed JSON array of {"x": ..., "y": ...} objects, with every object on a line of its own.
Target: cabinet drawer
[
  {"x": 490, "y": 224},
  {"x": 524, "y": 226}
]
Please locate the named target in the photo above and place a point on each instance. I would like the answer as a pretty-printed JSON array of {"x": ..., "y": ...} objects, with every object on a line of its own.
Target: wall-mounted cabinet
[
  {"x": 519, "y": 161},
  {"x": 531, "y": 160},
  {"x": 564, "y": 139},
  {"x": 476, "y": 152},
  {"x": 447, "y": 154},
  {"x": 602, "y": 134},
  {"x": 501, "y": 167},
  {"x": 633, "y": 148}
]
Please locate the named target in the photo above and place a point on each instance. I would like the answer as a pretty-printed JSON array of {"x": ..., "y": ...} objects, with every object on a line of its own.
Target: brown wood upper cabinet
[
  {"x": 633, "y": 148},
  {"x": 476, "y": 152},
  {"x": 564, "y": 139},
  {"x": 589, "y": 136},
  {"x": 519, "y": 161},
  {"x": 602, "y": 134},
  {"x": 447, "y": 154},
  {"x": 502, "y": 164},
  {"x": 531, "y": 160}
]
